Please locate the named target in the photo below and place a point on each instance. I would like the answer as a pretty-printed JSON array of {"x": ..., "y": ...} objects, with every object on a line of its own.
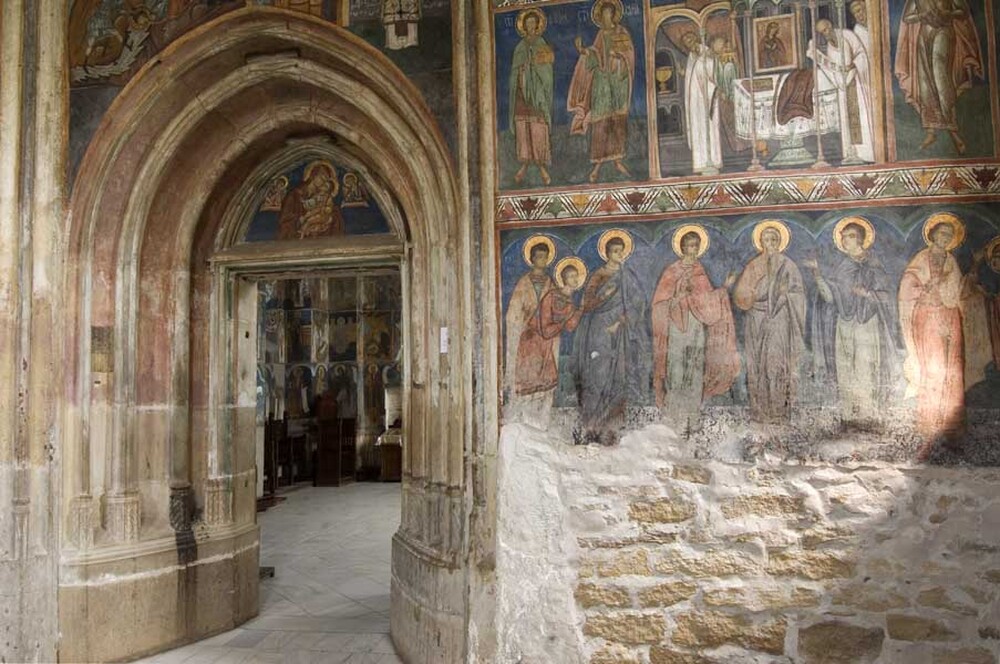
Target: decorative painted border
[{"x": 735, "y": 194}]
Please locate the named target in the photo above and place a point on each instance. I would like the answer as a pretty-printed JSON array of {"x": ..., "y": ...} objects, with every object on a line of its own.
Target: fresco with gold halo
[
  {"x": 848, "y": 334},
  {"x": 739, "y": 87},
  {"x": 315, "y": 199}
]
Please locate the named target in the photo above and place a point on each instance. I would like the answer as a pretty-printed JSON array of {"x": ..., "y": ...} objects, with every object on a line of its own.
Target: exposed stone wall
[{"x": 643, "y": 553}]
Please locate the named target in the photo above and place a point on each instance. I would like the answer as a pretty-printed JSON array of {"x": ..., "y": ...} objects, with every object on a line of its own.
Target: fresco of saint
[
  {"x": 309, "y": 210},
  {"x": 983, "y": 284},
  {"x": 845, "y": 66},
  {"x": 611, "y": 342},
  {"x": 771, "y": 293},
  {"x": 855, "y": 323},
  {"x": 537, "y": 370},
  {"x": 523, "y": 324},
  {"x": 931, "y": 319},
  {"x": 937, "y": 59},
  {"x": 694, "y": 337},
  {"x": 701, "y": 105},
  {"x": 600, "y": 92},
  {"x": 531, "y": 85}
]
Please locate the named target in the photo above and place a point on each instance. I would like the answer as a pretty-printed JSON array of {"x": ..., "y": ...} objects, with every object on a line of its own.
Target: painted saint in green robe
[{"x": 531, "y": 83}]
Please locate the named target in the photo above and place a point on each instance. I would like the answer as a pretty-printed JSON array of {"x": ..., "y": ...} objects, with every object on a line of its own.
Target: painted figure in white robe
[
  {"x": 701, "y": 107},
  {"x": 845, "y": 66},
  {"x": 856, "y": 324}
]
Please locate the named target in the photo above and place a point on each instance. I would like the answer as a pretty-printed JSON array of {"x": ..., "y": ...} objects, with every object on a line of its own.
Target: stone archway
[{"x": 160, "y": 530}]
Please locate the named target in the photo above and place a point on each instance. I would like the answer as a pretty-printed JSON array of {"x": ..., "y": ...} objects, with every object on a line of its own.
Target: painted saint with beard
[
  {"x": 611, "y": 343},
  {"x": 771, "y": 293},
  {"x": 855, "y": 323},
  {"x": 694, "y": 337}
]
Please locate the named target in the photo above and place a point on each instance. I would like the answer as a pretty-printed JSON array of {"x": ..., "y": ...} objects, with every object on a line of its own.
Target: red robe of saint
[
  {"x": 537, "y": 368},
  {"x": 684, "y": 288},
  {"x": 931, "y": 319}
]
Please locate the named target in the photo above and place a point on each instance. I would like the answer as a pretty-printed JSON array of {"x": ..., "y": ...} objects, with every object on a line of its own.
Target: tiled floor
[{"x": 329, "y": 598}]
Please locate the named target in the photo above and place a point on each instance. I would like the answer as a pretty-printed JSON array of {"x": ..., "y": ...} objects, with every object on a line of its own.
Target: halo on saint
[
  {"x": 602, "y": 244},
  {"x": 522, "y": 17},
  {"x": 690, "y": 228},
  {"x": 857, "y": 221},
  {"x": 775, "y": 225},
  {"x": 322, "y": 164},
  {"x": 570, "y": 261},
  {"x": 936, "y": 220},
  {"x": 991, "y": 248},
  {"x": 595, "y": 12},
  {"x": 533, "y": 242}
]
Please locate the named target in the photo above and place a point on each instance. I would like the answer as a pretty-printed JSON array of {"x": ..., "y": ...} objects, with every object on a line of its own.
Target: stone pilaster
[
  {"x": 219, "y": 501},
  {"x": 81, "y": 521},
  {"x": 123, "y": 515}
]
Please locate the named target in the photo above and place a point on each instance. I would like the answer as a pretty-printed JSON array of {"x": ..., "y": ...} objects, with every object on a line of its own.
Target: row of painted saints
[
  {"x": 827, "y": 88},
  {"x": 935, "y": 330}
]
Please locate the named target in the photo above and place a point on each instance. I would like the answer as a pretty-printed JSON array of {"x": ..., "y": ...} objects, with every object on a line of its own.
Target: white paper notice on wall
[{"x": 444, "y": 340}]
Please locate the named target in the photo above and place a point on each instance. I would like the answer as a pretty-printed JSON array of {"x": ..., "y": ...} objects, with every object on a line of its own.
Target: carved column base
[
  {"x": 218, "y": 501},
  {"x": 81, "y": 521},
  {"x": 181, "y": 500},
  {"x": 122, "y": 517}
]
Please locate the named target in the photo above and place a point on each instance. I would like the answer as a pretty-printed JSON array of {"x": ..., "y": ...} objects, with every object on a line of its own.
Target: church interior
[{"x": 500, "y": 331}]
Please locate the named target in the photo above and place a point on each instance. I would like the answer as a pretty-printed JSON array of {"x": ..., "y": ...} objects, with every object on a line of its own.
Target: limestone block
[
  {"x": 938, "y": 598},
  {"x": 711, "y": 629},
  {"x": 664, "y": 510},
  {"x": 833, "y": 642},
  {"x": 765, "y": 505},
  {"x": 589, "y": 595},
  {"x": 693, "y": 474},
  {"x": 813, "y": 565},
  {"x": 664, "y": 655},
  {"x": 815, "y": 538},
  {"x": 915, "y": 628},
  {"x": 993, "y": 576},
  {"x": 624, "y": 564},
  {"x": 667, "y": 594},
  {"x": 761, "y": 599},
  {"x": 713, "y": 564},
  {"x": 963, "y": 656},
  {"x": 868, "y": 598},
  {"x": 627, "y": 627},
  {"x": 614, "y": 654}
]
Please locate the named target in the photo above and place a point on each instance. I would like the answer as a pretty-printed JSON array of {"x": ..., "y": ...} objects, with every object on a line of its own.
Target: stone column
[{"x": 33, "y": 116}]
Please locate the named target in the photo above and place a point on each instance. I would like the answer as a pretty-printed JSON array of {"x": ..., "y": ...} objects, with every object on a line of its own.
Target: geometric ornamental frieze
[{"x": 739, "y": 194}]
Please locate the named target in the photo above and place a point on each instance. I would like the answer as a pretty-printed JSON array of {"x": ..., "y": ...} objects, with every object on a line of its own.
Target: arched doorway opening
[{"x": 159, "y": 483}]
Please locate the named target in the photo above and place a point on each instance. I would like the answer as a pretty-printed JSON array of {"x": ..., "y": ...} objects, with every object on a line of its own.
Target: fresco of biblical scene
[
  {"x": 843, "y": 334},
  {"x": 110, "y": 39},
  {"x": 315, "y": 199},
  {"x": 343, "y": 336},
  {"x": 940, "y": 78},
  {"x": 571, "y": 103},
  {"x": 763, "y": 85}
]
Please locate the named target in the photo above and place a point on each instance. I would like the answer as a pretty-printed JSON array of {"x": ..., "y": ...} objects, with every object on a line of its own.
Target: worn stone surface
[
  {"x": 963, "y": 656},
  {"x": 916, "y": 628},
  {"x": 589, "y": 595},
  {"x": 627, "y": 627},
  {"x": 693, "y": 474},
  {"x": 614, "y": 654},
  {"x": 833, "y": 642},
  {"x": 667, "y": 594},
  {"x": 813, "y": 565},
  {"x": 665, "y": 510},
  {"x": 763, "y": 505},
  {"x": 709, "y": 629},
  {"x": 664, "y": 655},
  {"x": 836, "y": 581}
]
